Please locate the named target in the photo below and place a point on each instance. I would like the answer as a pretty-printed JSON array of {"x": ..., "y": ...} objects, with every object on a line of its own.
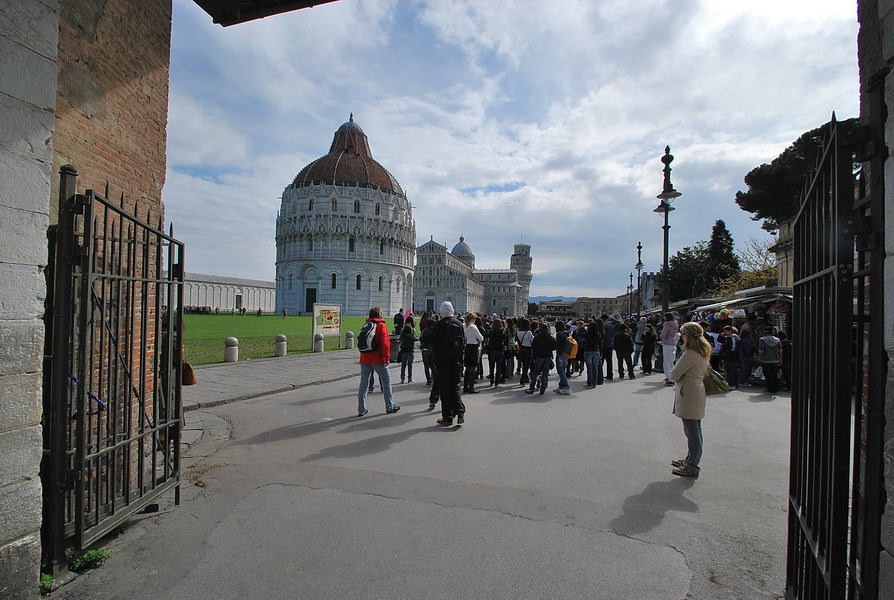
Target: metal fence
[
  {"x": 112, "y": 404},
  {"x": 837, "y": 404}
]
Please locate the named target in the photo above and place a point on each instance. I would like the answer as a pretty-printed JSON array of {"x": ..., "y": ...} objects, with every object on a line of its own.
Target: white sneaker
[{"x": 564, "y": 391}]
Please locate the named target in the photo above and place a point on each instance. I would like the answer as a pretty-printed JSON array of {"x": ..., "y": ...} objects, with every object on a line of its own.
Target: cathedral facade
[
  {"x": 345, "y": 233},
  {"x": 443, "y": 275}
]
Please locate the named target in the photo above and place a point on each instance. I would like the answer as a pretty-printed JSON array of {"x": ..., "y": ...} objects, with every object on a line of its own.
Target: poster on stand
[{"x": 327, "y": 319}]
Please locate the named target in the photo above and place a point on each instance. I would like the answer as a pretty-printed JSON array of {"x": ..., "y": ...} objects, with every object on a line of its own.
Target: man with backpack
[
  {"x": 375, "y": 353},
  {"x": 563, "y": 351},
  {"x": 447, "y": 345},
  {"x": 729, "y": 355}
]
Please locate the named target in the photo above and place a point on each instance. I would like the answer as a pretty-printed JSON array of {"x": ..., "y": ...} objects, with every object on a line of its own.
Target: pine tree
[{"x": 722, "y": 260}]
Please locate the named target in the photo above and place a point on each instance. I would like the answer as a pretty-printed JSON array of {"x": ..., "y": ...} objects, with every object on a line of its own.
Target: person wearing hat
[{"x": 448, "y": 345}]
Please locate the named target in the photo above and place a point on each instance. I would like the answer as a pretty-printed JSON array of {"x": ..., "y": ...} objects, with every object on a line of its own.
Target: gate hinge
[{"x": 78, "y": 202}]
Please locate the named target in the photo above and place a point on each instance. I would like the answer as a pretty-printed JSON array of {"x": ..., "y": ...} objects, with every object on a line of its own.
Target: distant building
[
  {"x": 228, "y": 293},
  {"x": 452, "y": 276},
  {"x": 345, "y": 233},
  {"x": 584, "y": 306}
]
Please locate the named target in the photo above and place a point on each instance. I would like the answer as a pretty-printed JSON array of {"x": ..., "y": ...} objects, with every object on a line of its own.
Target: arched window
[
  {"x": 310, "y": 244},
  {"x": 397, "y": 285},
  {"x": 310, "y": 204},
  {"x": 334, "y": 205},
  {"x": 381, "y": 280},
  {"x": 357, "y": 206},
  {"x": 333, "y": 281},
  {"x": 378, "y": 209},
  {"x": 290, "y": 281},
  {"x": 382, "y": 247},
  {"x": 351, "y": 244},
  {"x": 359, "y": 281}
]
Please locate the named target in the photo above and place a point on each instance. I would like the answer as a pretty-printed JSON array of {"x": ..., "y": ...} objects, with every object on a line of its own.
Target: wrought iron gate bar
[
  {"x": 835, "y": 471},
  {"x": 123, "y": 457}
]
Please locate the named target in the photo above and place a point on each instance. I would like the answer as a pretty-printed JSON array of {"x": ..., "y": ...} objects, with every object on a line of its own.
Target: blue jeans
[
  {"x": 561, "y": 367},
  {"x": 637, "y": 350},
  {"x": 693, "y": 430},
  {"x": 593, "y": 360},
  {"x": 366, "y": 377},
  {"x": 406, "y": 364}
]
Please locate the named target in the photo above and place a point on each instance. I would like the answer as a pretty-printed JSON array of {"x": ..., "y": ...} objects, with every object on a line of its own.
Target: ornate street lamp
[
  {"x": 630, "y": 296},
  {"x": 667, "y": 196},
  {"x": 639, "y": 278}
]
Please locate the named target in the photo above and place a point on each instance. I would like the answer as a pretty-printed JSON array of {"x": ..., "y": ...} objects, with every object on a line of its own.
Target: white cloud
[{"x": 564, "y": 106}]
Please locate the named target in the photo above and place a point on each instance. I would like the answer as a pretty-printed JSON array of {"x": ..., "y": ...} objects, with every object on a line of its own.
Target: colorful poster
[{"x": 327, "y": 319}]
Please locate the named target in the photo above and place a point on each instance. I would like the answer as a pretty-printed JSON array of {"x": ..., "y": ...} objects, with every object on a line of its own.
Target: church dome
[
  {"x": 349, "y": 162},
  {"x": 462, "y": 250}
]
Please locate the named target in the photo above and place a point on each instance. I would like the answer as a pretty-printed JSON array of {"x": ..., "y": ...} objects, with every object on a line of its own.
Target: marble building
[
  {"x": 345, "y": 233},
  {"x": 443, "y": 275}
]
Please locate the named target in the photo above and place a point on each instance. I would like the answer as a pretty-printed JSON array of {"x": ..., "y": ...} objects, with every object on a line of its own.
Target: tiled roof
[{"x": 349, "y": 162}]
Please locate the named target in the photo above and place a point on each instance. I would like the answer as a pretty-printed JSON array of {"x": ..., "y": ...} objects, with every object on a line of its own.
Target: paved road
[{"x": 290, "y": 495}]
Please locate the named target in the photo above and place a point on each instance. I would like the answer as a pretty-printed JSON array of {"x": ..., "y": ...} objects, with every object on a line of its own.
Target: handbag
[
  {"x": 188, "y": 376},
  {"x": 715, "y": 383}
]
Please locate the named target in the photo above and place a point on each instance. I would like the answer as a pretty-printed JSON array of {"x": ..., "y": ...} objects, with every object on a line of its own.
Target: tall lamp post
[
  {"x": 630, "y": 296},
  {"x": 639, "y": 278},
  {"x": 667, "y": 196}
]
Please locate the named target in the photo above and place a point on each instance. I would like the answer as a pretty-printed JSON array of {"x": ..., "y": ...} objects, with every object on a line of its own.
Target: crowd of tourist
[{"x": 491, "y": 350}]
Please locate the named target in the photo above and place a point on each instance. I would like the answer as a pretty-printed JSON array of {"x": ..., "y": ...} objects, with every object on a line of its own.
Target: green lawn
[{"x": 204, "y": 335}]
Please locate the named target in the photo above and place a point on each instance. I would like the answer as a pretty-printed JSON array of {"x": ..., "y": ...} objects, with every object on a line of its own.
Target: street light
[
  {"x": 639, "y": 278},
  {"x": 630, "y": 296},
  {"x": 667, "y": 196}
]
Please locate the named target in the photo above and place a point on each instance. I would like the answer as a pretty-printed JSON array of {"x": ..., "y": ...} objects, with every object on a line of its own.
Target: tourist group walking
[{"x": 490, "y": 351}]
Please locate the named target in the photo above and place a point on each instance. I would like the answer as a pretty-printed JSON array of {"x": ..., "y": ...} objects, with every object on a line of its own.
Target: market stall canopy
[
  {"x": 751, "y": 296},
  {"x": 233, "y": 12}
]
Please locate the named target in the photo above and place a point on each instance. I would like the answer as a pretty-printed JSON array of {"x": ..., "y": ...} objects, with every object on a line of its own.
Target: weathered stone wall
[
  {"x": 28, "y": 36},
  {"x": 876, "y": 52}
]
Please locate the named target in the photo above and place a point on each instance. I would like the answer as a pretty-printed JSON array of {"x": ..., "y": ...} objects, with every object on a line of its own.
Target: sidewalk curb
[{"x": 253, "y": 395}]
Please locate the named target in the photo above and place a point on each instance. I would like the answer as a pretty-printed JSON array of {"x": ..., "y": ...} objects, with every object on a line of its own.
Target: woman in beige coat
[{"x": 689, "y": 399}]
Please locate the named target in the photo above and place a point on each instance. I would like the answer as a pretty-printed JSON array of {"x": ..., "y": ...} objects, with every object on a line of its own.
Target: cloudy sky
[{"x": 503, "y": 120}]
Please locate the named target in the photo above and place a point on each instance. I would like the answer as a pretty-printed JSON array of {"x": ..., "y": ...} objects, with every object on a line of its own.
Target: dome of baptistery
[
  {"x": 345, "y": 233},
  {"x": 349, "y": 161}
]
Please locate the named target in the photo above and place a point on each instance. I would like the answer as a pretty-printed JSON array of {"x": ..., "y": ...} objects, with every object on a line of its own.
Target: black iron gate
[
  {"x": 112, "y": 406},
  {"x": 836, "y": 479}
]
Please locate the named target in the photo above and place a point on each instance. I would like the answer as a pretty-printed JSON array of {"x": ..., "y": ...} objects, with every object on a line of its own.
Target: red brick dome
[{"x": 349, "y": 162}]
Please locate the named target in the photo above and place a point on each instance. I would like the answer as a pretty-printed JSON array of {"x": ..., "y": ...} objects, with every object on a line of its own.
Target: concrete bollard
[
  {"x": 231, "y": 349},
  {"x": 281, "y": 346},
  {"x": 319, "y": 344},
  {"x": 349, "y": 340}
]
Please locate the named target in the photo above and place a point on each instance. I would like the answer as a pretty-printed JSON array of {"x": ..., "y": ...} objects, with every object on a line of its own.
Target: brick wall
[{"x": 112, "y": 101}]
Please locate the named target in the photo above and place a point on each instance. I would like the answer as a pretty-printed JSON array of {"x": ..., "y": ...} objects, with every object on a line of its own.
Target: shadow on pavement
[{"x": 644, "y": 511}]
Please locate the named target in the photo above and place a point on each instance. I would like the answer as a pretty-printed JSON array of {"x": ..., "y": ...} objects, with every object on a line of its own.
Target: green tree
[
  {"x": 758, "y": 268},
  {"x": 774, "y": 190},
  {"x": 722, "y": 261},
  {"x": 687, "y": 274},
  {"x": 533, "y": 308}
]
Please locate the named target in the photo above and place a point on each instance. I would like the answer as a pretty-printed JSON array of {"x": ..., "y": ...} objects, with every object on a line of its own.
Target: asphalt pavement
[{"x": 288, "y": 494}]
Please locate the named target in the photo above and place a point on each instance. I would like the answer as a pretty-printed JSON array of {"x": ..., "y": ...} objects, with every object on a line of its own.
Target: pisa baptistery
[{"x": 345, "y": 233}]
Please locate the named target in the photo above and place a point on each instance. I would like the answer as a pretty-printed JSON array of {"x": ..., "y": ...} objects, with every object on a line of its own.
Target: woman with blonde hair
[{"x": 689, "y": 395}]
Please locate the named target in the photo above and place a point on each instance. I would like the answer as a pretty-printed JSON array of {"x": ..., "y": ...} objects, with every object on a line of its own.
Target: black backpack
[{"x": 450, "y": 341}]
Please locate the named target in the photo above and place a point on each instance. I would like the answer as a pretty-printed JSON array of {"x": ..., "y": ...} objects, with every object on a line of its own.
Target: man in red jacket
[{"x": 376, "y": 361}]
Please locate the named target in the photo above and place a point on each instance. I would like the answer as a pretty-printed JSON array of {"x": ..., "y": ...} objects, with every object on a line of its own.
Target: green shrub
[
  {"x": 46, "y": 584},
  {"x": 88, "y": 559}
]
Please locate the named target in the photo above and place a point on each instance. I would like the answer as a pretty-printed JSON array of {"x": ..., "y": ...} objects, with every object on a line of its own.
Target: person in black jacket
[
  {"x": 497, "y": 343},
  {"x": 592, "y": 349},
  {"x": 624, "y": 350},
  {"x": 542, "y": 359},
  {"x": 649, "y": 340}
]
